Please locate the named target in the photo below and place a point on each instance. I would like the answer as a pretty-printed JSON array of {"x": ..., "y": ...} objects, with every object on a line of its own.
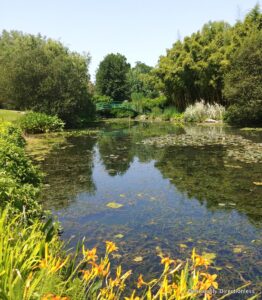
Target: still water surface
[{"x": 174, "y": 198}]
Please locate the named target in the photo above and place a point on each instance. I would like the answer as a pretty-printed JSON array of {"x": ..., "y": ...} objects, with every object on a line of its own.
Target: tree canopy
[
  {"x": 142, "y": 81},
  {"x": 195, "y": 68},
  {"x": 243, "y": 83},
  {"x": 43, "y": 75},
  {"x": 111, "y": 77}
]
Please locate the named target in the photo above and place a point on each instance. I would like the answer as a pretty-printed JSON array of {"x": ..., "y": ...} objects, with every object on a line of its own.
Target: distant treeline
[{"x": 219, "y": 64}]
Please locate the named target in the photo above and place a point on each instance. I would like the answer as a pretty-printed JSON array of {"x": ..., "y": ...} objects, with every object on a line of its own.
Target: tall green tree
[
  {"x": 111, "y": 77},
  {"x": 195, "y": 68},
  {"x": 243, "y": 83},
  {"x": 41, "y": 74}
]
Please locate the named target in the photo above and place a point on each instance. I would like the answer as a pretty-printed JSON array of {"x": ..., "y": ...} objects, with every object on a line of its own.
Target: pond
[{"x": 127, "y": 184}]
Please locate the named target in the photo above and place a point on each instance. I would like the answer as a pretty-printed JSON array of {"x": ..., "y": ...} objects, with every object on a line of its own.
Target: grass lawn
[{"x": 10, "y": 115}]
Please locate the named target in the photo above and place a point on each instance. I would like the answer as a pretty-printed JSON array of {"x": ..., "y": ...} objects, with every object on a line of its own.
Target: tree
[
  {"x": 111, "y": 77},
  {"x": 194, "y": 68},
  {"x": 42, "y": 75},
  {"x": 243, "y": 83},
  {"x": 141, "y": 81}
]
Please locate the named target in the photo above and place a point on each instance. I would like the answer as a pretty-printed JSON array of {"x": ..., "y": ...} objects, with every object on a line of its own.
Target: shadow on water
[{"x": 173, "y": 198}]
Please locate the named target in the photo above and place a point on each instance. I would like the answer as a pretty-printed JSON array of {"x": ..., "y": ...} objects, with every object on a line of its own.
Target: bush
[
  {"x": 200, "y": 111},
  {"x": 144, "y": 105},
  {"x": 170, "y": 113},
  {"x": 19, "y": 179},
  {"x": 122, "y": 113},
  {"x": 33, "y": 122},
  {"x": 12, "y": 134},
  {"x": 249, "y": 114}
]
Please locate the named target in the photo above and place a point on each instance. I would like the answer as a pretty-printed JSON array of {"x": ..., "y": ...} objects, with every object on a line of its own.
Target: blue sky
[{"x": 140, "y": 29}]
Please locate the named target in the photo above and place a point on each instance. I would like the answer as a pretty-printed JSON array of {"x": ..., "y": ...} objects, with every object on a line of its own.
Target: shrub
[
  {"x": 122, "y": 113},
  {"x": 34, "y": 122},
  {"x": 201, "y": 111},
  {"x": 19, "y": 179},
  {"x": 249, "y": 114},
  {"x": 170, "y": 113},
  {"x": 144, "y": 105},
  {"x": 12, "y": 133}
]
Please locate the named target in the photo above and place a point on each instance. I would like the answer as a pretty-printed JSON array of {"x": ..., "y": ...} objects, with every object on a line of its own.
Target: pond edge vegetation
[{"x": 35, "y": 265}]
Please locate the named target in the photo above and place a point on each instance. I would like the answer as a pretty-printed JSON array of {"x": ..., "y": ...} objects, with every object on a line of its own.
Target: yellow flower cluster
[{"x": 179, "y": 280}]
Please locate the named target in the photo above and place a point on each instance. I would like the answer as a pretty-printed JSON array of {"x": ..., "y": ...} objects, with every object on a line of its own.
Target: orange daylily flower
[
  {"x": 167, "y": 261},
  {"x": 140, "y": 281},
  {"x": 210, "y": 280},
  {"x": 90, "y": 254},
  {"x": 111, "y": 247},
  {"x": 86, "y": 275},
  {"x": 101, "y": 269},
  {"x": 51, "y": 296},
  {"x": 53, "y": 264},
  {"x": 201, "y": 261}
]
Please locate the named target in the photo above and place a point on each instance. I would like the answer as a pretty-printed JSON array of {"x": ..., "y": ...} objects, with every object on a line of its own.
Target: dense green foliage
[
  {"x": 219, "y": 65},
  {"x": 142, "y": 81},
  {"x": 243, "y": 83},
  {"x": 42, "y": 75},
  {"x": 33, "y": 122},
  {"x": 195, "y": 68},
  {"x": 146, "y": 105},
  {"x": 111, "y": 77},
  {"x": 19, "y": 179}
]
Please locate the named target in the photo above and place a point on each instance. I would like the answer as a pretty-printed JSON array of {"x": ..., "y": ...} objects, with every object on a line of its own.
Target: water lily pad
[
  {"x": 114, "y": 205},
  {"x": 122, "y": 195},
  {"x": 183, "y": 246},
  {"x": 138, "y": 259},
  {"x": 119, "y": 236},
  {"x": 116, "y": 255},
  {"x": 237, "y": 250},
  {"x": 209, "y": 256}
]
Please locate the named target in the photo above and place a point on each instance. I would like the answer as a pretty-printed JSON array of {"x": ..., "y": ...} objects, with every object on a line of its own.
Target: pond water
[{"x": 175, "y": 197}]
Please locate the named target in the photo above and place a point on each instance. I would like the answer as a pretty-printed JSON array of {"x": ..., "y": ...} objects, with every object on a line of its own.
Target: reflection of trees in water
[
  {"x": 202, "y": 174},
  {"x": 115, "y": 153},
  {"x": 69, "y": 172},
  {"x": 118, "y": 147}
]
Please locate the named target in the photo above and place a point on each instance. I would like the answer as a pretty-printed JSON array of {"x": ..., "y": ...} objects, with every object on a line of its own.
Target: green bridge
[{"x": 104, "y": 106}]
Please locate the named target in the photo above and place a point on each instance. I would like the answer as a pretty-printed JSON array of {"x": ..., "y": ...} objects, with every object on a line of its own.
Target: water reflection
[{"x": 174, "y": 198}]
